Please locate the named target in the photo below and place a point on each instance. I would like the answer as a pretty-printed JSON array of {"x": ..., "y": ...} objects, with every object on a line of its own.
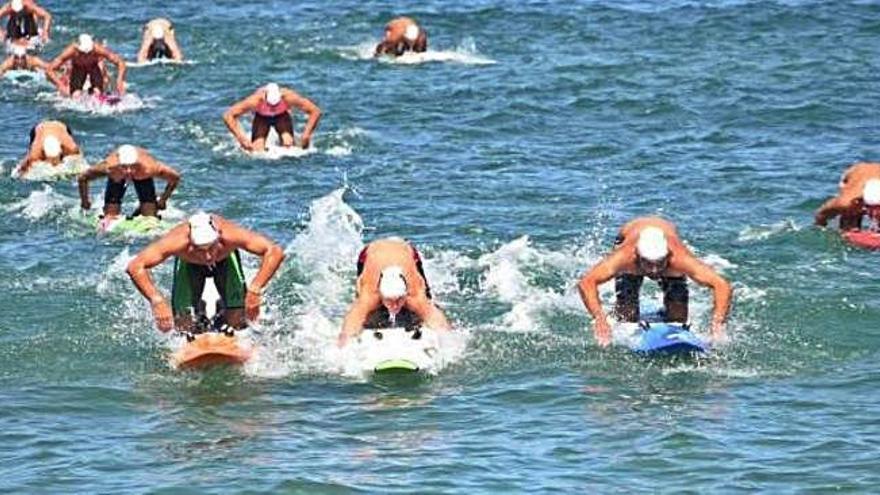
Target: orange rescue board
[{"x": 210, "y": 349}]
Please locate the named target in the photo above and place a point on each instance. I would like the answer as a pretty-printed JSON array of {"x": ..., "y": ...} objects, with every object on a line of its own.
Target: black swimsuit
[
  {"x": 628, "y": 286},
  {"x": 115, "y": 191},
  {"x": 381, "y": 318},
  {"x": 159, "y": 49},
  {"x": 21, "y": 25}
]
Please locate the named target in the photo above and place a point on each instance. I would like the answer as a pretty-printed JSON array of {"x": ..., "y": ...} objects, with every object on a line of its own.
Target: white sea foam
[
  {"x": 130, "y": 102},
  {"x": 763, "y": 232},
  {"x": 26, "y": 78},
  {"x": 160, "y": 61},
  {"x": 43, "y": 171}
]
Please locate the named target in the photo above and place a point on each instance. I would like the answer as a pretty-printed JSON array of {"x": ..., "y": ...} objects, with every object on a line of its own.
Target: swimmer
[
  {"x": 159, "y": 42},
  {"x": 272, "y": 107},
  {"x": 22, "y": 23},
  {"x": 391, "y": 291},
  {"x": 129, "y": 164},
  {"x": 206, "y": 246},
  {"x": 402, "y": 35},
  {"x": 858, "y": 198},
  {"x": 650, "y": 247},
  {"x": 85, "y": 57},
  {"x": 51, "y": 142}
]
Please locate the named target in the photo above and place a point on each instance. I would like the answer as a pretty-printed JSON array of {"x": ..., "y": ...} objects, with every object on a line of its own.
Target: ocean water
[{"x": 509, "y": 154}]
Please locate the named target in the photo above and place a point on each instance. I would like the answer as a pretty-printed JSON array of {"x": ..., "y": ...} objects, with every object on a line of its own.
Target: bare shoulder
[
  {"x": 174, "y": 242},
  {"x": 232, "y": 232}
]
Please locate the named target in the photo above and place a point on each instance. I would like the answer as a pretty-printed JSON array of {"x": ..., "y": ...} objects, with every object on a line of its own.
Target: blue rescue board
[{"x": 668, "y": 339}]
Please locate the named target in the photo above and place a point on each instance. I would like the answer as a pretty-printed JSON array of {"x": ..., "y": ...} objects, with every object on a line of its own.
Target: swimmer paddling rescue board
[
  {"x": 667, "y": 339},
  {"x": 863, "y": 238}
]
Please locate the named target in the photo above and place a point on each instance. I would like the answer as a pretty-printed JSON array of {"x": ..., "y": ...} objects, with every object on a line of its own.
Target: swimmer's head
[
  {"x": 157, "y": 32},
  {"x": 85, "y": 43},
  {"x": 871, "y": 193},
  {"x": 273, "y": 94},
  {"x": 392, "y": 288},
  {"x": 127, "y": 154},
  {"x": 16, "y": 5},
  {"x": 202, "y": 232},
  {"x": 412, "y": 33},
  {"x": 51, "y": 147},
  {"x": 652, "y": 250}
]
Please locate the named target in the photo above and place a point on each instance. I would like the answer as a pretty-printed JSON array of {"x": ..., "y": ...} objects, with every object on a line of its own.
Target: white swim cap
[
  {"x": 128, "y": 154},
  {"x": 273, "y": 94},
  {"x": 85, "y": 44},
  {"x": 52, "y": 147},
  {"x": 16, "y": 5},
  {"x": 201, "y": 229},
  {"x": 652, "y": 245},
  {"x": 19, "y": 50},
  {"x": 158, "y": 32},
  {"x": 871, "y": 192},
  {"x": 392, "y": 283},
  {"x": 411, "y": 33}
]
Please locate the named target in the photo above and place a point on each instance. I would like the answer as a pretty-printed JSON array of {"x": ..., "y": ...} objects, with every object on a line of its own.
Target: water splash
[
  {"x": 324, "y": 255},
  {"x": 39, "y": 204},
  {"x": 129, "y": 102}
]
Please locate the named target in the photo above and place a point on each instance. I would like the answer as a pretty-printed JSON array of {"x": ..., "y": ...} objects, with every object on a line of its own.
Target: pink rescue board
[{"x": 863, "y": 239}]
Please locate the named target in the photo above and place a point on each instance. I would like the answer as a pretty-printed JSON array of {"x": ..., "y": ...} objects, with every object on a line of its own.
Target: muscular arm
[
  {"x": 92, "y": 173},
  {"x": 704, "y": 275},
  {"x": 272, "y": 255},
  {"x": 69, "y": 146},
  {"x": 309, "y": 108},
  {"x": 429, "y": 313},
  {"x": 34, "y": 153},
  {"x": 230, "y": 118},
  {"x": 171, "y": 178},
  {"x": 588, "y": 287},
  {"x": 835, "y": 206},
  {"x": 146, "y": 41},
  {"x": 154, "y": 254},
  {"x": 44, "y": 14},
  {"x": 421, "y": 43},
  {"x": 62, "y": 58},
  {"x": 120, "y": 67},
  {"x": 357, "y": 315},
  {"x": 828, "y": 211},
  {"x": 171, "y": 41}
]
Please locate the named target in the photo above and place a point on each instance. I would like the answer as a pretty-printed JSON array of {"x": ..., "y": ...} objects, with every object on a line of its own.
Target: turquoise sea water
[{"x": 510, "y": 159}]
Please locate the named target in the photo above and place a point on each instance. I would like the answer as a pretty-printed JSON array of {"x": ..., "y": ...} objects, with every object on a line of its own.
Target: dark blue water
[{"x": 510, "y": 157}]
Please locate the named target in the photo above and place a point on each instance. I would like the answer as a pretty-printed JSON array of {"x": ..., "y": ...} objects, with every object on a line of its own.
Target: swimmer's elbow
[
  {"x": 134, "y": 268},
  {"x": 723, "y": 287},
  {"x": 586, "y": 284},
  {"x": 276, "y": 253}
]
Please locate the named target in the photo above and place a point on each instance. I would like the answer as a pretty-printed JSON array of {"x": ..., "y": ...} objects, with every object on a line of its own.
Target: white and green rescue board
[{"x": 395, "y": 350}]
